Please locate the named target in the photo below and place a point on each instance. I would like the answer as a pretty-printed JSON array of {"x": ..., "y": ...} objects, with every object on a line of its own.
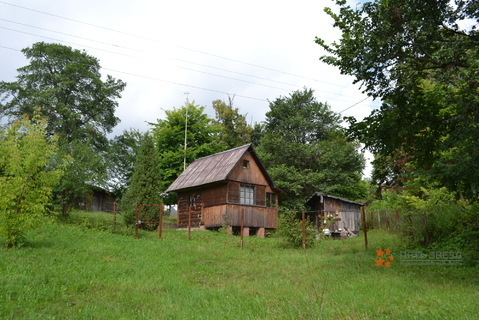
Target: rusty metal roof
[
  {"x": 324, "y": 195},
  {"x": 210, "y": 169}
]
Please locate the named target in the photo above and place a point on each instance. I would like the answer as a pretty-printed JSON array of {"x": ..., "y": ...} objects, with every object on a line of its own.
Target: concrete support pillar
[
  {"x": 261, "y": 233},
  {"x": 229, "y": 230},
  {"x": 245, "y": 231}
]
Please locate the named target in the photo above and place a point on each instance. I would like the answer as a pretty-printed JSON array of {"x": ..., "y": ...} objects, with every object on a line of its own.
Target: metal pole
[{"x": 186, "y": 128}]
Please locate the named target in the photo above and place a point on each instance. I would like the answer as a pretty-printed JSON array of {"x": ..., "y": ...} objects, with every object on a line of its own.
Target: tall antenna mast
[{"x": 186, "y": 128}]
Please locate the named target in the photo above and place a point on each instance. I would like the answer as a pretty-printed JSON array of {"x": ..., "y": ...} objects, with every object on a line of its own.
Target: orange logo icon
[{"x": 385, "y": 258}]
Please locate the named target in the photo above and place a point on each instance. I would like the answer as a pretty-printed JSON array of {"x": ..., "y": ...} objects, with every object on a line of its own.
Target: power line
[
  {"x": 140, "y": 51},
  {"x": 154, "y": 40},
  {"x": 138, "y": 58},
  {"x": 129, "y": 56},
  {"x": 353, "y": 105},
  {"x": 69, "y": 42},
  {"x": 164, "y": 81},
  {"x": 189, "y": 85},
  {"x": 66, "y": 34}
]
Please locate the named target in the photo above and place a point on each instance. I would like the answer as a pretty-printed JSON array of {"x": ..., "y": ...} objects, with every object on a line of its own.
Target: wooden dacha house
[
  {"x": 225, "y": 189},
  {"x": 342, "y": 216}
]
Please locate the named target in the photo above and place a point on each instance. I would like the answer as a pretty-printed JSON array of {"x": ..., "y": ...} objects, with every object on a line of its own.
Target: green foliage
[
  {"x": 28, "y": 175},
  {"x": 235, "y": 131},
  {"x": 291, "y": 230},
  {"x": 66, "y": 84},
  {"x": 145, "y": 186},
  {"x": 87, "y": 168},
  {"x": 420, "y": 58},
  {"x": 169, "y": 136},
  {"x": 122, "y": 154},
  {"x": 305, "y": 150},
  {"x": 79, "y": 108},
  {"x": 451, "y": 223}
]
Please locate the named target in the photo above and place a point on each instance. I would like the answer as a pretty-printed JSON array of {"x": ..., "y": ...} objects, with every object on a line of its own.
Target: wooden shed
[
  {"x": 98, "y": 200},
  {"x": 344, "y": 215},
  {"x": 214, "y": 191}
]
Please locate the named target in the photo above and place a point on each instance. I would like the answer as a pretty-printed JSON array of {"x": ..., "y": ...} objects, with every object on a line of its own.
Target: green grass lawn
[{"x": 71, "y": 271}]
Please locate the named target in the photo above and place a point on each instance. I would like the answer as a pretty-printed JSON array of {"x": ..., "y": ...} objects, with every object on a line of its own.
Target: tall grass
[{"x": 69, "y": 271}]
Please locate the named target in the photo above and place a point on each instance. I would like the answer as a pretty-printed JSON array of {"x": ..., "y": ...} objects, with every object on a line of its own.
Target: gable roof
[{"x": 214, "y": 168}]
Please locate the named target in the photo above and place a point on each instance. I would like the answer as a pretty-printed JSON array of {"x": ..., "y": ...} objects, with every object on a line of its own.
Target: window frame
[
  {"x": 270, "y": 200},
  {"x": 247, "y": 195}
]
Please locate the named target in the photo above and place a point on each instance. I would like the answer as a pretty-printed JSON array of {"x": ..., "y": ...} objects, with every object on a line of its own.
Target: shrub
[
  {"x": 291, "y": 229},
  {"x": 27, "y": 177}
]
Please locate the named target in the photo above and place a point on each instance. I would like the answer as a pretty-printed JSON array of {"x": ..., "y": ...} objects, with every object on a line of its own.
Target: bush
[
  {"x": 27, "y": 177},
  {"x": 291, "y": 229},
  {"x": 452, "y": 224}
]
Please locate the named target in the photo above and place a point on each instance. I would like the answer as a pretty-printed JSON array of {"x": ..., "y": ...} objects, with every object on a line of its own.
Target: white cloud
[{"x": 154, "y": 46}]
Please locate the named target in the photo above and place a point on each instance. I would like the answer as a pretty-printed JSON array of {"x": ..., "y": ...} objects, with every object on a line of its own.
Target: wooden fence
[{"x": 415, "y": 226}]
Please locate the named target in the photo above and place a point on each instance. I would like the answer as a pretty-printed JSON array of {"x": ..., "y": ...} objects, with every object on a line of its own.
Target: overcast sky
[{"x": 167, "y": 51}]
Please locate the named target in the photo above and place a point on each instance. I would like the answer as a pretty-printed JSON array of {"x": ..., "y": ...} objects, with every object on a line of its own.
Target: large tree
[
  {"x": 145, "y": 186},
  {"x": 169, "y": 136},
  {"x": 305, "y": 150},
  {"x": 79, "y": 108},
  {"x": 121, "y": 159},
  {"x": 66, "y": 84},
  {"x": 235, "y": 130},
  {"x": 420, "y": 58}
]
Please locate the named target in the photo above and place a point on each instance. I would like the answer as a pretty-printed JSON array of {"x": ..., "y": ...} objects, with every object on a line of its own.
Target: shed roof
[
  {"x": 320, "y": 194},
  {"x": 214, "y": 168}
]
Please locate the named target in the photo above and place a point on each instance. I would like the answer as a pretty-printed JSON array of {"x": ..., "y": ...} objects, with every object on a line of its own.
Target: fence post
[
  {"x": 411, "y": 230},
  {"x": 242, "y": 226},
  {"x": 365, "y": 228},
  {"x": 160, "y": 226},
  {"x": 371, "y": 214},
  {"x": 189, "y": 222},
  {"x": 398, "y": 222},
  {"x": 379, "y": 219},
  {"x": 137, "y": 215},
  {"x": 426, "y": 227},
  {"x": 387, "y": 220},
  {"x": 304, "y": 229},
  {"x": 114, "y": 217}
]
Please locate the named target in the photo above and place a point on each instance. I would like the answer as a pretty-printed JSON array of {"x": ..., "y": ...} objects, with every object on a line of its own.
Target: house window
[
  {"x": 270, "y": 200},
  {"x": 191, "y": 200},
  {"x": 247, "y": 195},
  {"x": 245, "y": 163}
]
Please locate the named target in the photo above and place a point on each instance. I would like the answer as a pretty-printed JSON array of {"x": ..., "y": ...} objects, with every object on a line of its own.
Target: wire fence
[{"x": 415, "y": 226}]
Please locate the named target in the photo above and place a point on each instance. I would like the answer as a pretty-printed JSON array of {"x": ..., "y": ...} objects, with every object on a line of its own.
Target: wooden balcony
[{"x": 254, "y": 216}]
